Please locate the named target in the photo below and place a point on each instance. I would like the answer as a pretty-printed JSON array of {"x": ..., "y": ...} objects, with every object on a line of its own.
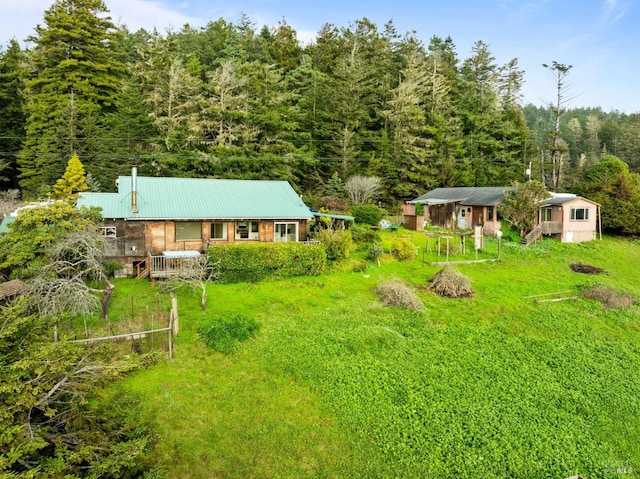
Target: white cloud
[
  {"x": 614, "y": 10},
  {"x": 19, "y": 18},
  {"x": 136, "y": 14}
]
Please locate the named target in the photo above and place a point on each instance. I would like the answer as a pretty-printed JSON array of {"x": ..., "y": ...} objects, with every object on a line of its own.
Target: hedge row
[{"x": 254, "y": 262}]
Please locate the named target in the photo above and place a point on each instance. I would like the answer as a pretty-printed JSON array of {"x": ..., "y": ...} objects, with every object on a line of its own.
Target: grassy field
[{"x": 336, "y": 385}]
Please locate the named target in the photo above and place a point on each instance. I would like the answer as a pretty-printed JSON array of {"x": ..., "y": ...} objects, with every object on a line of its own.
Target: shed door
[
  {"x": 462, "y": 219},
  {"x": 478, "y": 218}
]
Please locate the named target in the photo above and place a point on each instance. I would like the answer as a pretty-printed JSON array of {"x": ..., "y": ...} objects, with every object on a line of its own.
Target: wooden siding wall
[
  {"x": 136, "y": 239},
  {"x": 442, "y": 216}
]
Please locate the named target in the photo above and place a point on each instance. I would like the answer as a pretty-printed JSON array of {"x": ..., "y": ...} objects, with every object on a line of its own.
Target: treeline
[{"x": 230, "y": 100}]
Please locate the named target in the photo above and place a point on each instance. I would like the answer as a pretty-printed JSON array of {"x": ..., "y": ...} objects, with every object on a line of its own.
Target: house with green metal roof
[{"x": 150, "y": 216}]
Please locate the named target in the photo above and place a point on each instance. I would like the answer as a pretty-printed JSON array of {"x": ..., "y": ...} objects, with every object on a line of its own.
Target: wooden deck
[
  {"x": 551, "y": 227},
  {"x": 164, "y": 267}
]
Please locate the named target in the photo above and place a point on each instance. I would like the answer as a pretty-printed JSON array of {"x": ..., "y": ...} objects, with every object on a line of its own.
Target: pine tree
[
  {"x": 72, "y": 182},
  {"x": 73, "y": 80},
  {"x": 11, "y": 112},
  {"x": 405, "y": 116}
]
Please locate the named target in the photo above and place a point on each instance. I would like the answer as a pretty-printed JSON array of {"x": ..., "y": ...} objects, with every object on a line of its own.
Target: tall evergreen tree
[
  {"x": 73, "y": 79},
  {"x": 408, "y": 145},
  {"x": 128, "y": 136},
  {"x": 12, "y": 116},
  {"x": 444, "y": 127},
  {"x": 72, "y": 182}
]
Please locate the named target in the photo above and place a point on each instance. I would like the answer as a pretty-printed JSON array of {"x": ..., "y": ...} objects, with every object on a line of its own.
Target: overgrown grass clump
[{"x": 225, "y": 334}]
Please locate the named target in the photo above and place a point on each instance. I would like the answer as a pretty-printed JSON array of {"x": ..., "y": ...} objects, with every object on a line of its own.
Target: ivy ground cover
[{"x": 337, "y": 385}]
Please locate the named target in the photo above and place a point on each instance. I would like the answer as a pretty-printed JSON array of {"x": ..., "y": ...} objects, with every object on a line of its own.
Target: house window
[
  {"x": 219, "y": 231},
  {"x": 107, "y": 231},
  {"x": 188, "y": 231},
  {"x": 247, "y": 230},
  {"x": 285, "y": 232},
  {"x": 547, "y": 214},
  {"x": 489, "y": 213},
  {"x": 580, "y": 214}
]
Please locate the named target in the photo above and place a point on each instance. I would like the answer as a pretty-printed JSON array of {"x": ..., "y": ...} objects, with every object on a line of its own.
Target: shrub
[
  {"x": 608, "y": 296},
  {"x": 359, "y": 265},
  {"x": 449, "y": 282},
  {"x": 110, "y": 267},
  {"x": 366, "y": 214},
  {"x": 374, "y": 252},
  {"x": 364, "y": 234},
  {"x": 403, "y": 250},
  {"x": 331, "y": 203},
  {"x": 254, "y": 262},
  {"x": 509, "y": 233},
  {"x": 224, "y": 335},
  {"x": 337, "y": 243},
  {"x": 399, "y": 295}
]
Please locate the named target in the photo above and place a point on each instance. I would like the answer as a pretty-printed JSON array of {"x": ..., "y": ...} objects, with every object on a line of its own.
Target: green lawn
[{"x": 336, "y": 385}]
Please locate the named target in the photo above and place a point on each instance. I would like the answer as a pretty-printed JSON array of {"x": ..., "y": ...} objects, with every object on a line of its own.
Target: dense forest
[{"x": 230, "y": 100}]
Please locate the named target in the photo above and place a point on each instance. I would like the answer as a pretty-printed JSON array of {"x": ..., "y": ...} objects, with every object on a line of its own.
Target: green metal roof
[
  {"x": 199, "y": 198},
  {"x": 4, "y": 226},
  {"x": 335, "y": 217}
]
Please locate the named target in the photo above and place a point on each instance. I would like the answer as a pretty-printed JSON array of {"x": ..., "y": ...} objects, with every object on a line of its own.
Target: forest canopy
[{"x": 232, "y": 100}]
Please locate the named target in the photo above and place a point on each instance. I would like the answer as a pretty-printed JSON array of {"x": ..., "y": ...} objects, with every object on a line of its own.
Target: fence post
[
  {"x": 170, "y": 332},
  {"x": 174, "y": 312}
]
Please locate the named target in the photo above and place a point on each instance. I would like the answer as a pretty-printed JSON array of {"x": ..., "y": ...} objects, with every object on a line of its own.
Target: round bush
[
  {"x": 366, "y": 214},
  {"x": 364, "y": 234},
  {"x": 337, "y": 243},
  {"x": 374, "y": 252},
  {"x": 403, "y": 250}
]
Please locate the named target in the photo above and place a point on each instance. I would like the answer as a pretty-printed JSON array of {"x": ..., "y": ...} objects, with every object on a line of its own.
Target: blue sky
[{"x": 600, "y": 38}]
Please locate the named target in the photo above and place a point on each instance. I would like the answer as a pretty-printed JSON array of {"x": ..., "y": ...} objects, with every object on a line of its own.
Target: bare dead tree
[
  {"x": 66, "y": 283},
  {"x": 362, "y": 189},
  {"x": 194, "y": 273},
  {"x": 9, "y": 201},
  {"x": 558, "y": 107}
]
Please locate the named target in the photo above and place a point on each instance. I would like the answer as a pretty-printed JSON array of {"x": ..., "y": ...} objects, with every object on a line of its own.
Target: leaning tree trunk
[{"x": 106, "y": 299}]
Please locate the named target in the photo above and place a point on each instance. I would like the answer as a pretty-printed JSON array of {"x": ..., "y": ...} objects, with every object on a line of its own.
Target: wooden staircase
[
  {"x": 143, "y": 269},
  {"x": 532, "y": 236}
]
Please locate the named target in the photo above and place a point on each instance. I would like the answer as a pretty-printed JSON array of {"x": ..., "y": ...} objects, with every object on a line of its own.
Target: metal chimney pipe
[{"x": 134, "y": 189}]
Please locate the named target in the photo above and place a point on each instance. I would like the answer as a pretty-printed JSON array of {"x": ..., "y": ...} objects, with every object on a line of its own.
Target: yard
[{"x": 336, "y": 385}]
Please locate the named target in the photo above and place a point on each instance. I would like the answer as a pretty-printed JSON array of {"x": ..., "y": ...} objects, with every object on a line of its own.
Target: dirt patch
[{"x": 586, "y": 269}]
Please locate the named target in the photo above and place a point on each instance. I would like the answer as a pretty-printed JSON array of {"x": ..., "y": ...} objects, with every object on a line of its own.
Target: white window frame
[
  {"x": 181, "y": 226},
  {"x": 247, "y": 230},
  {"x": 285, "y": 238},
  {"x": 547, "y": 214},
  {"x": 585, "y": 215},
  {"x": 224, "y": 230},
  {"x": 108, "y": 231}
]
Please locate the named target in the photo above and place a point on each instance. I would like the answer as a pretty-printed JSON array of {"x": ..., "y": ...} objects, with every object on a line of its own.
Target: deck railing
[
  {"x": 532, "y": 236},
  {"x": 551, "y": 227},
  {"x": 164, "y": 267}
]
